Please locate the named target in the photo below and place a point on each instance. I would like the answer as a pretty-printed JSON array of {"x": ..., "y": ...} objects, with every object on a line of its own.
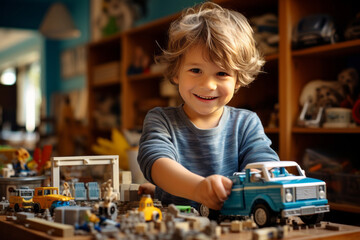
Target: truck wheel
[
  {"x": 16, "y": 207},
  {"x": 312, "y": 219},
  {"x": 263, "y": 216},
  {"x": 112, "y": 210},
  {"x": 52, "y": 209},
  {"x": 36, "y": 208},
  {"x": 204, "y": 211},
  {"x": 155, "y": 216},
  {"x": 209, "y": 213}
]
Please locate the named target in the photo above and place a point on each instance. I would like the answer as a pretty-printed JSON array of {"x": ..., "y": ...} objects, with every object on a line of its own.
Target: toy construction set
[{"x": 269, "y": 200}]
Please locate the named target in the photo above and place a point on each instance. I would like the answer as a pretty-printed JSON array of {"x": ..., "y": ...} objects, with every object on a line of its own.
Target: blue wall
[{"x": 28, "y": 14}]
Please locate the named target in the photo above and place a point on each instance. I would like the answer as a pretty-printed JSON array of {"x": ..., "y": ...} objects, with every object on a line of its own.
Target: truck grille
[{"x": 303, "y": 193}]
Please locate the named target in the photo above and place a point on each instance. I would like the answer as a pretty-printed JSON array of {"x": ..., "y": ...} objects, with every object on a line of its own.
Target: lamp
[{"x": 58, "y": 24}]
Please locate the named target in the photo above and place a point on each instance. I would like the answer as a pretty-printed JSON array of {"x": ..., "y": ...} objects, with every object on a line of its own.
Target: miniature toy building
[{"x": 112, "y": 160}]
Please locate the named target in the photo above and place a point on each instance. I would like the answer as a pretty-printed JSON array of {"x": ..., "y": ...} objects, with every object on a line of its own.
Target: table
[{"x": 12, "y": 231}]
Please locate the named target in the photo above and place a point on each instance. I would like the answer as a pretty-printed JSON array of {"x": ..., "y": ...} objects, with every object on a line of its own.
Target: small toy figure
[
  {"x": 66, "y": 192},
  {"x": 151, "y": 213},
  {"x": 22, "y": 156},
  {"x": 349, "y": 80},
  {"x": 141, "y": 62},
  {"x": 110, "y": 195},
  {"x": 107, "y": 207},
  {"x": 104, "y": 187}
]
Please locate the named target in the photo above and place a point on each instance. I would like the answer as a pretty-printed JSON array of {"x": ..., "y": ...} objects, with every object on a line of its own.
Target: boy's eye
[
  {"x": 195, "y": 70},
  {"x": 222, "y": 74}
]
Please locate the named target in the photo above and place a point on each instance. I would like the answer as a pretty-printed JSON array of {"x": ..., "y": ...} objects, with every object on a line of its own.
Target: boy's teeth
[{"x": 207, "y": 98}]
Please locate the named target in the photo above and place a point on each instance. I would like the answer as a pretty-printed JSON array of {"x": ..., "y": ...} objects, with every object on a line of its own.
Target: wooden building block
[
  {"x": 125, "y": 177},
  {"x": 123, "y": 189},
  {"x": 236, "y": 226},
  {"x": 22, "y": 216},
  {"x": 57, "y": 229},
  {"x": 182, "y": 225},
  {"x": 140, "y": 228}
]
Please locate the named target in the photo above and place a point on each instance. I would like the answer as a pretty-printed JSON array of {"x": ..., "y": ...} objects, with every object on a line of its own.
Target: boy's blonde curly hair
[{"x": 226, "y": 34}]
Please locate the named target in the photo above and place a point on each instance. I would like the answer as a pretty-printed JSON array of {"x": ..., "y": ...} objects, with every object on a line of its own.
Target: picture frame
[{"x": 73, "y": 62}]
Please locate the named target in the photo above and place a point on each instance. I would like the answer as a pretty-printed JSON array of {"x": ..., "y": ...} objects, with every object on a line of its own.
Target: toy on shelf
[
  {"x": 274, "y": 117},
  {"x": 353, "y": 29},
  {"x": 41, "y": 159},
  {"x": 350, "y": 87},
  {"x": 140, "y": 63},
  {"x": 275, "y": 190},
  {"x": 266, "y": 33},
  {"x": 117, "y": 16},
  {"x": 18, "y": 158},
  {"x": 314, "y": 30},
  {"x": 318, "y": 95},
  {"x": 356, "y": 111}
]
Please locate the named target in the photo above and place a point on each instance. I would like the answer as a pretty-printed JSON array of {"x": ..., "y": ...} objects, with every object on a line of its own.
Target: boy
[{"x": 186, "y": 151}]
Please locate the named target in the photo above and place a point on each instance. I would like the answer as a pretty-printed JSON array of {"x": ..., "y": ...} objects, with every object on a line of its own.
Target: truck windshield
[
  {"x": 27, "y": 194},
  {"x": 285, "y": 172}
]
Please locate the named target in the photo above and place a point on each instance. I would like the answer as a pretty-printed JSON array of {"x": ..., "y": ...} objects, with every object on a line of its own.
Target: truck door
[{"x": 235, "y": 201}]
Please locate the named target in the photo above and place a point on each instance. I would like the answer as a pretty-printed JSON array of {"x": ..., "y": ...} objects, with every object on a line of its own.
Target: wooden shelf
[
  {"x": 144, "y": 77},
  {"x": 115, "y": 82},
  {"x": 341, "y": 48},
  {"x": 272, "y": 57},
  {"x": 355, "y": 130},
  {"x": 285, "y": 75},
  {"x": 271, "y": 130}
]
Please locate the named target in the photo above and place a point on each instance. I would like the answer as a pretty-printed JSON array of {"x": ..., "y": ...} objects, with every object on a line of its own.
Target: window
[{"x": 29, "y": 96}]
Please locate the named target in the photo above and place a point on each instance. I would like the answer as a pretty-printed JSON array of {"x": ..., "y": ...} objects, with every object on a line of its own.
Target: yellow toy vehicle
[
  {"x": 22, "y": 199},
  {"x": 151, "y": 213},
  {"x": 49, "y": 197}
]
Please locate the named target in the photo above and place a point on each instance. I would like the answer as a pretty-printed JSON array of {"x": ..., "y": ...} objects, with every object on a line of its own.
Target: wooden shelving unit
[{"x": 285, "y": 74}]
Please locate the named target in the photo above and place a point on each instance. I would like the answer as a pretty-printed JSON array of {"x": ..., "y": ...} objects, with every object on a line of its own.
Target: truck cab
[{"x": 272, "y": 190}]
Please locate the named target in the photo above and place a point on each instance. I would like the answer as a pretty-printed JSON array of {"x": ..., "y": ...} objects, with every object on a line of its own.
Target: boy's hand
[
  {"x": 213, "y": 191},
  {"x": 147, "y": 188}
]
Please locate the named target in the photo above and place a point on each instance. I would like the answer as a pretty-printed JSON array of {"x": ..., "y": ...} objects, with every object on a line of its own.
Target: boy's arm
[{"x": 175, "y": 179}]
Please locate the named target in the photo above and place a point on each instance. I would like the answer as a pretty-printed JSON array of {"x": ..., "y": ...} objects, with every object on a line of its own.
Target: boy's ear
[
  {"x": 176, "y": 80},
  {"x": 237, "y": 86}
]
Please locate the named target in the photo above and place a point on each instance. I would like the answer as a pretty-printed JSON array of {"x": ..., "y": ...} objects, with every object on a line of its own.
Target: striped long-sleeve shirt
[{"x": 238, "y": 139}]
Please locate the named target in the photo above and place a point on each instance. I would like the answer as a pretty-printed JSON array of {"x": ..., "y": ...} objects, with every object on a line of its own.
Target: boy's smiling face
[{"x": 204, "y": 86}]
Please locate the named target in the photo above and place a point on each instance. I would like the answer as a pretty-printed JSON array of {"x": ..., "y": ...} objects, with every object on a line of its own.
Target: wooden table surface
[{"x": 12, "y": 231}]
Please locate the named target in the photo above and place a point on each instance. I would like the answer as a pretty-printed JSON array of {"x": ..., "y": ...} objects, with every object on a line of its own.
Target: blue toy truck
[{"x": 272, "y": 190}]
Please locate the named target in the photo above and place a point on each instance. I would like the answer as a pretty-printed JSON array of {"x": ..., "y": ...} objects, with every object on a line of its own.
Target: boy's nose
[{"x": 208, "y": 82}]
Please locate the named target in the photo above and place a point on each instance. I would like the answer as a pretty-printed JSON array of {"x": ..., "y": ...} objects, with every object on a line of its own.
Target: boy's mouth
[{"x": 205, "y": 97}]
